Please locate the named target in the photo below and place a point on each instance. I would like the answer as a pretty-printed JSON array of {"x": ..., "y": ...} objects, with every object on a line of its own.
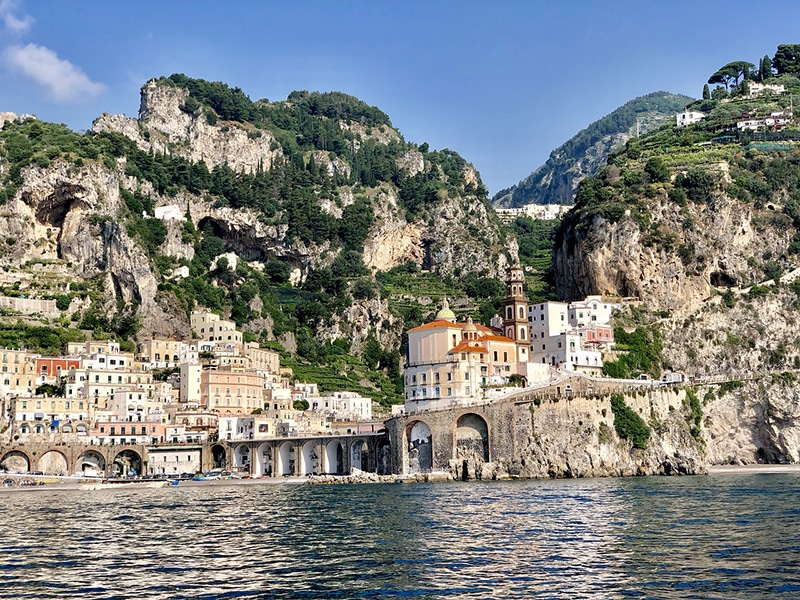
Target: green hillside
[{"x": 556, "y": 181}]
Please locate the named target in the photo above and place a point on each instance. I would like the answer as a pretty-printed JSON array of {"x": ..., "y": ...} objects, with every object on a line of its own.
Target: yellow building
[{"x": 450, "y": 362}]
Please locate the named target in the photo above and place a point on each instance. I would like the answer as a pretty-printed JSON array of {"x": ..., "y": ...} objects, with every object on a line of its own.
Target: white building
[
  {"x": 190, "y": 383},
  {"x": 171, "y": 460},
  {"x": 688, "y": 118},
  {"x": 167, "y": 354},
  {"x": 591, "y": 311},
  {"x": 755, "y": 89},
  {"x": 547, "y": 319},
  {"x": 343, "y": 405}
]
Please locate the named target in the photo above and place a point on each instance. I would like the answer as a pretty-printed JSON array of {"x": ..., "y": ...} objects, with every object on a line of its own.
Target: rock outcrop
[{"x": 164, "y": 127}]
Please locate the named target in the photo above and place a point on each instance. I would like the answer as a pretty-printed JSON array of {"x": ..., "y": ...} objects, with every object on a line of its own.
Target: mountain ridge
[{"x": 556, "y": 181}]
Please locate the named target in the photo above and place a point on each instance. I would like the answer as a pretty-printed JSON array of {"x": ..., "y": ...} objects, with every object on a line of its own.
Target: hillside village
[{"x": 218, "y": 388}]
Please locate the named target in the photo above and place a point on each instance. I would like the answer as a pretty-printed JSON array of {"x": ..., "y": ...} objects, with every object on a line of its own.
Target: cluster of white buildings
[
  {"x": 450, "y": 362},
  {"x": 544, "y": 212},
  {"x": 171, "y": 391}
]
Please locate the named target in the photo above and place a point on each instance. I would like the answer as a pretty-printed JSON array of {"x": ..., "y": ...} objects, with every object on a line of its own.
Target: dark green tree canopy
[
  {"x": 787, "y": 59},
  {"x": 730, "y": 73}
]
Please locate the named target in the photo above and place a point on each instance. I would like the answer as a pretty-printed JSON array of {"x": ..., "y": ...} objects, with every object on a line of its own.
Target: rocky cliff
[
  {"x": 703, "y": 238},
  {"x": 313, "y": 197}
]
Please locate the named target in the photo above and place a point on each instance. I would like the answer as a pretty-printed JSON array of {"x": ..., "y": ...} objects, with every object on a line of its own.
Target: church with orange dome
[{"x": 450, "y": 362}]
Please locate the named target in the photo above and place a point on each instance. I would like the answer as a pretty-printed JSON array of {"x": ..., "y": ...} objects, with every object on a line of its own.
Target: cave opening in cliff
[
  {"x": 53, "y": 209},
  {"x": 722, "y": 279},
  {"x": 242, "y": 242}
]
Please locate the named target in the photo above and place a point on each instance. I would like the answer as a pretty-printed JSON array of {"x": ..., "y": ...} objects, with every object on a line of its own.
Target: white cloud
[
  {"x": 12, "y": 22},
  {"x": 64, "y": 80}
]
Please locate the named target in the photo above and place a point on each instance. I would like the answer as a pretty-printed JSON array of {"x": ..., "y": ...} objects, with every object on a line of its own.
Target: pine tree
[{"x": 706, "y": 92}]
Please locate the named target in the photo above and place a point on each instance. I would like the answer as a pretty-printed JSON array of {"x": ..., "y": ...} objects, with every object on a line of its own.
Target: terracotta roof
[
  {"x": 438, "y": 324},
  {"x": 466, "y": 347},
  {"x": 442, "y": 324},
  {"x": 498, "y": 338}
]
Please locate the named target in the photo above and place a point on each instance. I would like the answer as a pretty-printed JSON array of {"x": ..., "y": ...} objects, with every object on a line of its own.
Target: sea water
[{"x": 716, "y": 536}]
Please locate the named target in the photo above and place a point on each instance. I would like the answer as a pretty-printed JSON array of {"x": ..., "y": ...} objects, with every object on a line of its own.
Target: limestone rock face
[
  {"x": 461, "y": 238},
  {"x": 163, "y": 127},
  {"x": 619, "y": 258},
  {"x": 693, "y": 267},
  {"x": 574, "y": 438},
  {"x": 360, "y": 319},
  {"x": 71, "y": 216}
]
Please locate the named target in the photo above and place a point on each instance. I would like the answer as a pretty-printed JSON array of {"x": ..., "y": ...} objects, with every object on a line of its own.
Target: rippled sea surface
[{"x": 723, "y": 536}]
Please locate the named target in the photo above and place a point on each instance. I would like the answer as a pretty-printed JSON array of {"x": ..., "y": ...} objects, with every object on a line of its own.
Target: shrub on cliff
[{"x": 628, "y": 424}]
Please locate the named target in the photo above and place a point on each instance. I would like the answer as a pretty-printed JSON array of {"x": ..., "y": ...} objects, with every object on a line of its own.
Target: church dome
[
  {"x": 445, "y": 314},
  {"x": 470, "y": 326}
]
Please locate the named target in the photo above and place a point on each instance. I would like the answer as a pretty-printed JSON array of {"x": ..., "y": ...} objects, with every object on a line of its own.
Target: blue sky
[{"x": 502, "y": 82}]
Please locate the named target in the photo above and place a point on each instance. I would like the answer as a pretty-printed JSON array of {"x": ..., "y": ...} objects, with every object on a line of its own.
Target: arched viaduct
[{"x": 274, "y": 457}]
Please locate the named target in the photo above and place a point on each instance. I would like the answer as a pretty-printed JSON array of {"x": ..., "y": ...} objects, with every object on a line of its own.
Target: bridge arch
[
  {"x": 127, "y": 462},
  {"x": 359, "y": 455},
  {"x": 241, "y": 457},
  {"x": 418, "y": 446},
  {"x": 219, "y": 456},
  {"x": 471, "y": 438},
  {"x": 383, "y": 457},
  {"x": 286, "y": 459},
  {"x": 53, "y": 462},
  {"x": 309, "y": 458},
  {"x": 334, "y": 457},
  {"x": 90, "y": 460},
  {"x": 16, "y": 460},
  {"x": 263, "y": 459}
]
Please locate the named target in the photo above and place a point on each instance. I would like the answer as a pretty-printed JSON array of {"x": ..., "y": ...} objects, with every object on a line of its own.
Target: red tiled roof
[
  {"x": 497, "y": 338},
  {"x": 443, "y": 323},
  {"x": 437, "y": 324},
  {"x": 466, "y": 347}
]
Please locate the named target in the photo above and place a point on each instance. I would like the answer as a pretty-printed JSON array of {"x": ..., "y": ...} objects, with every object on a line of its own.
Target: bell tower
[{"x": 515, "y": 312}]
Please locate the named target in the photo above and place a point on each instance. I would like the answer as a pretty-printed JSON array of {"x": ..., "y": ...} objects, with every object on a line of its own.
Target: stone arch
[
  {"x": 309, "y": 458},
  {"x": 90, "y": 462},
  {"x": 419, "y": 447},
  {"x": 53, "y": 462},
  {"x": 334, "y": 457},
  {"x": 219, "y": 456},
  {"x": 263, "y": 460},
  {"x": 471, "y": 445},
  {"x": 286, "y": 459},
  {"x": 359, "y": 455},
  {"x": 16, "y": 461},
  {"x": 241, "y": 457},
  {"x": 127, "y": 462}
]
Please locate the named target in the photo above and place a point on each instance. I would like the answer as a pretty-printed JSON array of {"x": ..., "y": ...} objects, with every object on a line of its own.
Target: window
[
  {"x": 436, "y": 376},
  {"x": 449, "y": 377},
  {"x": 466, "y": 375}
]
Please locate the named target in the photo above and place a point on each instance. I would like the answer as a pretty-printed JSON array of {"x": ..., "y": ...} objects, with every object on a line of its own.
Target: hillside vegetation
[
  {"x": 556, "y": 181},
  {"x": 336, "y": 177}
]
